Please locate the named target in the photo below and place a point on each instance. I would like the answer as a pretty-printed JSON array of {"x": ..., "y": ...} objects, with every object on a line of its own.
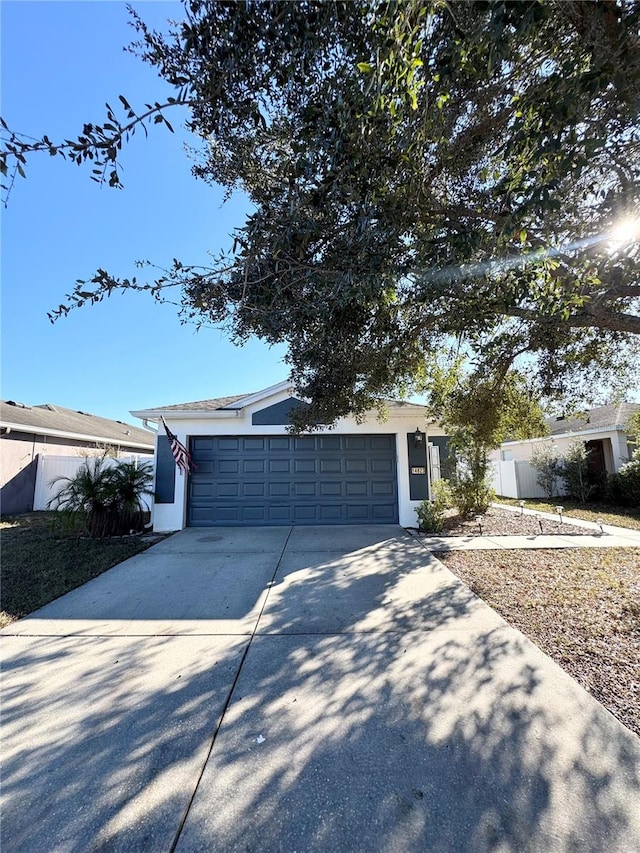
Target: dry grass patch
[
  {"x": 617, "y": 516},
  {"x": 580, "y": 606}
]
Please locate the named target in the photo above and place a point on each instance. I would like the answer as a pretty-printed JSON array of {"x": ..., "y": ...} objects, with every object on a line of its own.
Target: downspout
[{"x": 154, "y": 430}]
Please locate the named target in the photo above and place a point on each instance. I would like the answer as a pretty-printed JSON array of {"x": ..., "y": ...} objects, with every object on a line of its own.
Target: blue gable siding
[{"x": 278, "y": 414}]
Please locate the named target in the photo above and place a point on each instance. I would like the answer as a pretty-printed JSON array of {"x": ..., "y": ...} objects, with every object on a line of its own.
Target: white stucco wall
[
  {"x": 616, "y": 449},
  {"x": 167, "y": 517}
]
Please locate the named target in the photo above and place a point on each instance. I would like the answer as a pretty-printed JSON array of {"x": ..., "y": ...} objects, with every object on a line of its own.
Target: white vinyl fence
[
  {"x": 515, "y": 479},
  {"x": 50, "y": 467}
]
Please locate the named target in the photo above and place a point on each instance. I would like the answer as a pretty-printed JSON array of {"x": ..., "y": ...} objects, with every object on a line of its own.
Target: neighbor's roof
[
  {"x": 602, "y": 417},
  {"x": 47, "y": 419}
]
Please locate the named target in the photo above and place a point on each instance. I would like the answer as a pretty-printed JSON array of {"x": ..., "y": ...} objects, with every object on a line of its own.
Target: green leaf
[{"x": 365, "y": 67}]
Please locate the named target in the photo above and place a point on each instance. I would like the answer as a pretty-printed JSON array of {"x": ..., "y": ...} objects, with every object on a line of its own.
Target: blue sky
[{"x": 60, "y": 62}]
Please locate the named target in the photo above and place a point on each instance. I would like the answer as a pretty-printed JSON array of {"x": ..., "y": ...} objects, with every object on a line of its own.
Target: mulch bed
[
  {"x": 501, "y": 522},
  {"x": 581, "y": 606}
]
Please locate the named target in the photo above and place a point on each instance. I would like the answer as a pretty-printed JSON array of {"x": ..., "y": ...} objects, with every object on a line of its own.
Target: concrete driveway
[{"x": 300, "y": 689}]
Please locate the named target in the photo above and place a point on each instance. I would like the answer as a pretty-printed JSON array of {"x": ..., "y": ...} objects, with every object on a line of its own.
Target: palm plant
[
  {"x": 131, "y": 481},
  {"x": 105, "y": 497}
]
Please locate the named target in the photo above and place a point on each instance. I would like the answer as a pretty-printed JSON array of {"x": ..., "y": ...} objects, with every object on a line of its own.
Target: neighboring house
[
  {"x": 30, "y": 432},
  {"x": 249, "y": 469},
  {"x": 602, "y": 429}
]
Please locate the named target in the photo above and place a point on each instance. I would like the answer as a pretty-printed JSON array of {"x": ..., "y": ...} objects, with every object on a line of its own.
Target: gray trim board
[{"x": 165, "y": 487}]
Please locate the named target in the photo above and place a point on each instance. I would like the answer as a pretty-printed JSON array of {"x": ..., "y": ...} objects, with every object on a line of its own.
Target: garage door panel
[
  {"x": 203, "y": 490},
  {"x": 223, "y": 490},
  {"x": 280, "y": 514},
  {"x": 330, "y": 490},
  {"x": 305, "y": 514},
  {"x": 357, "y": 442},
  {"x": 357, "y": 512},
  {"x": 278, "y": 490},
  {"x": 202, "y": 446},
  {"x": 356, "y": 488},
  {"x": 381, "y": 511},
  {"x": 330, "y": 466},
  {"x": 330, "y": 514},
  {"x": 383, "y": 442},
  {"x": 334, "y": 479},
  {"x": 305, "y": 490},
  {"x": 253, "y": 490},
  {"x": 206, "y": 467},
  {"x": 382, "y": 489},
  {"x": 382, "y": 466},
  {"x": 279, "y": 466}
]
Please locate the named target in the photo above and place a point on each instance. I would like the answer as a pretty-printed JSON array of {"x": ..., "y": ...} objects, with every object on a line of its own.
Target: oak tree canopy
[{"x": 420, "y": 173}]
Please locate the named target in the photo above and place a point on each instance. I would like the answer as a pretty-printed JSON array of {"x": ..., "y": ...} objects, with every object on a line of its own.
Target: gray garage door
[{"x": 330, "y": 479}]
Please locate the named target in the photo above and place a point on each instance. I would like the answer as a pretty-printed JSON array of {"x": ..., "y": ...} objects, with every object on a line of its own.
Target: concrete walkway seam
[{"x": 227, "y": 702}]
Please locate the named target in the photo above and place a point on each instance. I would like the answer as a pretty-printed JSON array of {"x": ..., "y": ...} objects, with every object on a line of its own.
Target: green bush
[
  {"x": 623, "y": 488},
  {"x": 548, "y": 464},
  {"x": 432, "y": 513},
  {"x": 473, "y": 495},
  {"x": 577, "y": 480}
]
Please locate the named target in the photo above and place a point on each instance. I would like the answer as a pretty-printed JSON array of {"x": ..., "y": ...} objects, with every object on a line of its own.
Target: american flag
[{"x": 179, "y": 451}]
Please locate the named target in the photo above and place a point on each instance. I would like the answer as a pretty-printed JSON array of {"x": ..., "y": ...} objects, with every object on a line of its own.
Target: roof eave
[
  {"x": 76, "y": 436},
  {"x": 182, "y": 414},
  {"x": 568, "y": 434}
]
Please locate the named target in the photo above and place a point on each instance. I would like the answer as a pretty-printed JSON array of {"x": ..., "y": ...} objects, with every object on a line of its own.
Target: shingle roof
[
  {"x": 404, "y": 404},
  {"x": 220, "y": 403},
  {"x": 599, "y": 418},
  {"x": 204, "y": 405},
  {"x": 50, "y": 417}
]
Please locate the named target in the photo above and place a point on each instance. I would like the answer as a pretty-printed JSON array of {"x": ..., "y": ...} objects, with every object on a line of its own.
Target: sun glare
[{"x": 626, "y": 231}]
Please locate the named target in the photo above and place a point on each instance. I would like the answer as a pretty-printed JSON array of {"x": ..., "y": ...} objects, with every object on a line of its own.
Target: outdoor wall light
[{"x": 418, "y": 438}]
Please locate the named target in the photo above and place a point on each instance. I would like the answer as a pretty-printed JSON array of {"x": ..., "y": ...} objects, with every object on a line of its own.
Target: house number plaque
[{"x": 418, "y": 470}]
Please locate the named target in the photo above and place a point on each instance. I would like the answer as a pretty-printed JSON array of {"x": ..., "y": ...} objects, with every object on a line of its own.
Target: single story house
[
  {"x": 603, "y": 430},
  {"x": 249, "y": 469},
  {"x": 28, "y": 433}
]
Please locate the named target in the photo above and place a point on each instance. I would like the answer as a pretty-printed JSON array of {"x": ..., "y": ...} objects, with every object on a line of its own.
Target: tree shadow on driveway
[{"x": 380, "y": 707}]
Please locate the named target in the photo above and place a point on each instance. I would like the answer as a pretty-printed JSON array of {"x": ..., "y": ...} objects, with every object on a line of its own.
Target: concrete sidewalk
[
  {"x": 525, "y": 543},
  {"x": 309, "y": 689},
  {"x": 604, "y": 536}
]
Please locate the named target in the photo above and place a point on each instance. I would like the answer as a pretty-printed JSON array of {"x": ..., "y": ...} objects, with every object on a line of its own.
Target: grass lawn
[
  {"x": 581, "y": 606},
  {"x": 616, "y": 515},
  {"x": 40, "y": 563}
]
